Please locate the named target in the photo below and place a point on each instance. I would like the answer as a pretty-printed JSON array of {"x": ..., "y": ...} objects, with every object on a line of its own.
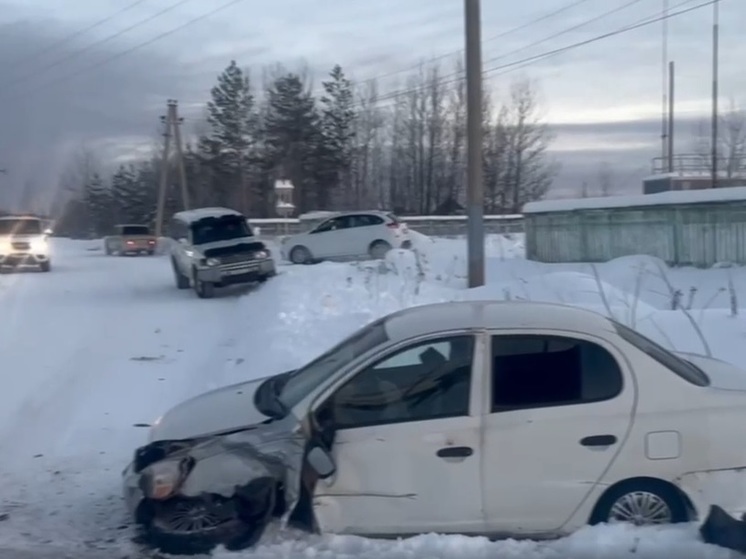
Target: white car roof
[
  {"x": 202, "y": 213},
  {"x": 455, "y": 315}
]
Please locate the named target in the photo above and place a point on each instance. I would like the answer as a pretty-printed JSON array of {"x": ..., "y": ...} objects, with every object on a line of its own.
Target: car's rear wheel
[
  {"x": 46, "y": 266},
  {"x": 300, "y": 255},
  {"x": 642, "y": 502},
  {"x": 379, "y": 249}
]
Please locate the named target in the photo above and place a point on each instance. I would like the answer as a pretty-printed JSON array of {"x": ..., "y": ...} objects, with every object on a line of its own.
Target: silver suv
[
  {"x": 23, "y": 242},
  {"x": 215, "y": 247}
]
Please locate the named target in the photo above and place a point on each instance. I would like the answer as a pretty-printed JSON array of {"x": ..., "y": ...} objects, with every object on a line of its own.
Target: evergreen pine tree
[
  {"x": 337, "y": 126},
  {"x": 233, "y": 121},
  {"x": 292, "y": 137}
]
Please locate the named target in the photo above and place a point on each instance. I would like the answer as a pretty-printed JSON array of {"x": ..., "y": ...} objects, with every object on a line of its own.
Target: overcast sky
[{"x": 604, "y": 99}]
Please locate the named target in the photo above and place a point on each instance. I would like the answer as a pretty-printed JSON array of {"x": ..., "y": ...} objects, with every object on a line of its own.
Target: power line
[
  {"x": 138, "y": 46},
  {"x": 77, "y": 33},
  {"x": 534, "y": 21},
  {"x": 535, "y": 58},
  {"x": 35, "y": 71}
]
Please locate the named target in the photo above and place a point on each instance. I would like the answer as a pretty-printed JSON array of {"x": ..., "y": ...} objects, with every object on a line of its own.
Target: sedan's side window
[
  {"x": 429, "y": 380},
  {"x": 534, "y": 371}
]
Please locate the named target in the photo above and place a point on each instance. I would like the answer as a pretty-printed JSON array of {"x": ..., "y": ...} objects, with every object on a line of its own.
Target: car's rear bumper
[{"x": 238, "y": 272}]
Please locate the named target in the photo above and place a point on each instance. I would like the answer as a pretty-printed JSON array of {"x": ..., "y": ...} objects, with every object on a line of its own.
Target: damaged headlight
[{"x": 162, "y": 479}]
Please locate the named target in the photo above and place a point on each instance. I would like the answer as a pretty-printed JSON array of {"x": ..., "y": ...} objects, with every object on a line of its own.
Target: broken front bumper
[{"x": 237, "y": 272}]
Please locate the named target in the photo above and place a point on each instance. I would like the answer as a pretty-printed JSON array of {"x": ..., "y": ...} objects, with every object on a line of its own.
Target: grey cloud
[{"x": 43, "y": 120}]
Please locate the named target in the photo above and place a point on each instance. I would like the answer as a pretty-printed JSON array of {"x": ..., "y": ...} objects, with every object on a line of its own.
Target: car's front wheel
[
  {"x": 46, "y": 266},
  {"x": 642, "y": 503},
  {"x": 196, "y": 526},
  {"x": 204, "y": 289}
]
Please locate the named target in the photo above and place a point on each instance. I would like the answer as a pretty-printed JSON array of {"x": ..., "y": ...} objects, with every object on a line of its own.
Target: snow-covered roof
[
  {"x": 710, "y": 195},
  {"x": 282, "y": 204},
  {"x": 491, "y": 314},
  {"x": 202, "y": 213},
  {"x": 284, "y": 185}
]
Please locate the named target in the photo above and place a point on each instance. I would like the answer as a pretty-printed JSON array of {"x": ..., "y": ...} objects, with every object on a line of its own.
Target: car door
[
  {"x": 406, "y": 442},
  {"x": 364, "y": 230},
  {"x": 329, "y": 239},
  {"x": 560, "y": 410}
]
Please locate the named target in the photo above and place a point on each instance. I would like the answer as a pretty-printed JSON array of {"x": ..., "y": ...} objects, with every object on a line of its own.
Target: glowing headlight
[
  {"x": 164, "y": 478},
  {"x": 39, "y": 245},
  {"x": 261, "y": 254},
  {"x": 212, "y": 262}
]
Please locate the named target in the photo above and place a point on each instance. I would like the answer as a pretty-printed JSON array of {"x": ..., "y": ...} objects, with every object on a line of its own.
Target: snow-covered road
[{"x": 102, "y": 344}]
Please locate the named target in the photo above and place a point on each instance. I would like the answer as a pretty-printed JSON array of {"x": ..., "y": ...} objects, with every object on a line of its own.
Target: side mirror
[
  {"x": 182, "y": 240},
  {"x": 321, "y": 462}
]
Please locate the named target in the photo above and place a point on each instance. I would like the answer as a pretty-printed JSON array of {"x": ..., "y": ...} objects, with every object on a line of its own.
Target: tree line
[{"x": 350, "y": 147}]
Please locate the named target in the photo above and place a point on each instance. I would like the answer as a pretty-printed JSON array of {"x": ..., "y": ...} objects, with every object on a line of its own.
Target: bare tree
[
  {"x": 528, "y": 172},
  {"x": 731, "y": 142}
]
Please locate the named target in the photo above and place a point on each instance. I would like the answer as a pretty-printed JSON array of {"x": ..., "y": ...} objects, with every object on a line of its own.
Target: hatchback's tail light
[{"x": 393, "y": 225}]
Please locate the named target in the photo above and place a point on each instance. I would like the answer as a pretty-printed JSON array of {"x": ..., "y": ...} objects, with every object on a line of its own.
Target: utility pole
[
  {"x": 671, "y": 84},
  {"x": 171, "y": 123},
  {"x": 664, "y": 68},
  {"x": 474, "y": 144},
  {"x": 715, "y": 33}
]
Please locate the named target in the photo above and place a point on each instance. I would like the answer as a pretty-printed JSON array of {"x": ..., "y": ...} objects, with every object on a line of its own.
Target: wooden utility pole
[
  {"x": 172, "y": 124},
  {"x": 474, "y": 141}
]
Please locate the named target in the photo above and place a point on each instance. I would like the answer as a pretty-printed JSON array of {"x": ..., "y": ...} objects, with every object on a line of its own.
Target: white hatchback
[{"x": 347, "y": 236}]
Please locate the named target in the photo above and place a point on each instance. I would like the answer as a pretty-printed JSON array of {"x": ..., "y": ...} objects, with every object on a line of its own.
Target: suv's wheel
[
  {"x": 182, "y": 282},
  {"x": 641, "y": 502},
  {"x": 204, "y": 289},
  {"x": 46, "y": 266},
  {"x": 379, "y": 249},
  {"x": 300, "y": 255}
]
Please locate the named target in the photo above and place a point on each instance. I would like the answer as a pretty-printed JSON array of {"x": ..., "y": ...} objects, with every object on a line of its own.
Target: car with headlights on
[
  {"x": 24, "y": 242},
  {"x": 509, "y": 418},
  {"x": 215, "y": 247}
]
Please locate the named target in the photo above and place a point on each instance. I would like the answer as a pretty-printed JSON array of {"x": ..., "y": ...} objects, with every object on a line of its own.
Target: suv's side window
[
  {"x": 534, "y": 371},
  {"x": 428, "y": 380}
]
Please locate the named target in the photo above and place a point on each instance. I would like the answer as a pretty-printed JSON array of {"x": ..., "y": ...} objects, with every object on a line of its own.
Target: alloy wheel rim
[{"x": 641, "y": 508}]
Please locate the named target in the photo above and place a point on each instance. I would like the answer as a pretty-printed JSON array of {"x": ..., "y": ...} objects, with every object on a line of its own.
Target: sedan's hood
[
  {"x": 222, "y": 409},
  {"x": 723, "y": 375}
]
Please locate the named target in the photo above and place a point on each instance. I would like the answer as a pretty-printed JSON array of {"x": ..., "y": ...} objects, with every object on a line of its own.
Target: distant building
[{"x": 693, "y": 172}]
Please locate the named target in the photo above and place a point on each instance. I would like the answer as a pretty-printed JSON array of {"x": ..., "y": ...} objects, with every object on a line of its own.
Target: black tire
[
  {"x": 300, "y": 255},
  {"x": 232, "y": 534},
  {"x": 646, "y": 488},
  {"x": 182, "y": 282},
  {"x": 107, "y": 248},
  {"x": 46, "y": 266},
  {"x": 203, "y": 289},
  {"x": 378, "y": 249}
]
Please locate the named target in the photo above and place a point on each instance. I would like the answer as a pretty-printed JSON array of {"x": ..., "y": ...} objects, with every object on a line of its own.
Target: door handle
[
  {"x": 598, "y": 440},
  {"x": 455, "y": 452}
]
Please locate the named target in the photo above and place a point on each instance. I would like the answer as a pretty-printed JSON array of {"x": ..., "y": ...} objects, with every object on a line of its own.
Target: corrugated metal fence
[{"x": 682, "y": 234}]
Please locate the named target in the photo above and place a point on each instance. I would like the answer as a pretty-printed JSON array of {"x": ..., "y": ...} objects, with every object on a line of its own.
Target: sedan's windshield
[
  {"x": 216, "y": 229},
  {"x": 305, "y": 379},
  {"x": 20, "y": 227}
]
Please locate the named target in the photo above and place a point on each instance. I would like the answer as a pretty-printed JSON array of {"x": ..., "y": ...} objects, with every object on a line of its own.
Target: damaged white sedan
[{"x": 499, "y": 418}]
